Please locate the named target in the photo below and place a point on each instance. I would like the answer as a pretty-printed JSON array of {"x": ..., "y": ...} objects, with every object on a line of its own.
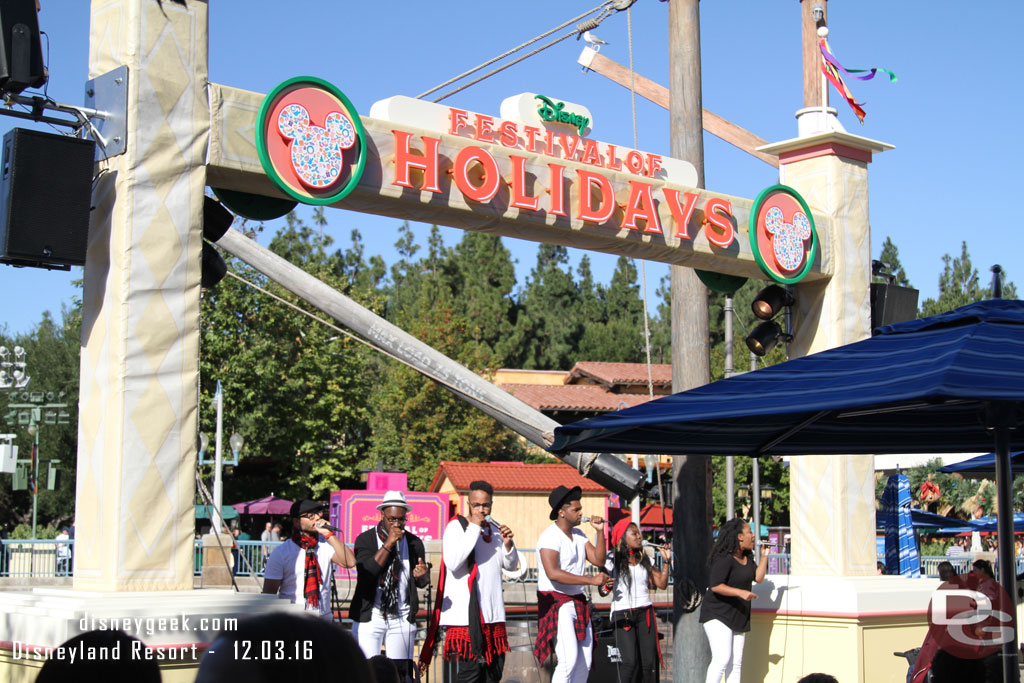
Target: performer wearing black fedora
[{"x": 563, "y": 610}]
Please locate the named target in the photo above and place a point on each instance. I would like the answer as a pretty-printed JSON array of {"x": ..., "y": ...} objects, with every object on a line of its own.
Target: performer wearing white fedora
[{"x": 390, "y": 564}]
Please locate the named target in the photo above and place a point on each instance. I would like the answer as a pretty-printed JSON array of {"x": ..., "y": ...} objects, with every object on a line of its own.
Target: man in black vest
[{"x": 390, "y": 565}]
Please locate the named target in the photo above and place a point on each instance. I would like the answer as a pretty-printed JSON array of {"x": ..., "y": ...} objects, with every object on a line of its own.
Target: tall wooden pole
[
  {"x": 690, "y": 358},
  {"x": 812, "y": 56}
]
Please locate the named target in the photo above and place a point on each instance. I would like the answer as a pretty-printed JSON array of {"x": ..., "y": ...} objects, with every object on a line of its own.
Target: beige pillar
[
  {"x": 140, "y": 330},
  {"x": 832, "y": 498}
]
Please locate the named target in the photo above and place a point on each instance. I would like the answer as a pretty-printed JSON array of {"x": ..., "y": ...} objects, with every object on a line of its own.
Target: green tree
[
  {"x": 418, "y": 423},
  {"x": 52, "y": 362},
  {"x": 296, "y": 389},
  {"x": 482, "y": 279},
  {"x": 619, "y": 337},
  {"x": 960, "y": 285},
  {"x": 774, "y": 489},
  {"x": 890, "y": 256},
  {"x": 548, "y": 328}
]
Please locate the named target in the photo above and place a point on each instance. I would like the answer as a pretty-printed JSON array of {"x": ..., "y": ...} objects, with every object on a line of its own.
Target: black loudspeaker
[
  {"x": 21, "y": 54},
  {"x": 892, "y": 304},
  {"x": 45, "y": 192}
]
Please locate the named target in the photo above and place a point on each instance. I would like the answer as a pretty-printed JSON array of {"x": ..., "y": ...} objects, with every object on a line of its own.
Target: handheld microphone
[
  {"x": 330, "y": 527},
  {"x": 491, "y": 520},
  {"x": 648, "y": 544},
  {"x": 584, "y": 519}
]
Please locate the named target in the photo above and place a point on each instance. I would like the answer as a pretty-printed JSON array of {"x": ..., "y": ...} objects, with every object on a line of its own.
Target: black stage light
[
  {"x": 770, "y": 300},
  {"x": 765, "y": 336},
  {"x": 216, "y": 221}
]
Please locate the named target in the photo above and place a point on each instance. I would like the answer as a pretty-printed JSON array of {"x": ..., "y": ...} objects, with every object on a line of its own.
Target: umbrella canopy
[
  {"x": 268, "y": 505},
  {"x": 226, "y": 512},
  {"x": 918, "y": 386},
  {"x": 922, "y": 519},
  {"x": 900, "y": 545},
  {"x": 984, "y": 464},
  {"x": 990, "y": 523},
  {"x": 949, "y": 383}
]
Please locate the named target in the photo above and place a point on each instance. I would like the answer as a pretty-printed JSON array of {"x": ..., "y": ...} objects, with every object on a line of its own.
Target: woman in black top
[{"x": 725, "y": 611}]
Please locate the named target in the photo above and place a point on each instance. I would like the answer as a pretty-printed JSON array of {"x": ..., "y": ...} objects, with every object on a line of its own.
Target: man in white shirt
[
  {"x": 563, "y": 610},
  {"x": 302, "y": 564},
  {"x": 470, "y": 603}
]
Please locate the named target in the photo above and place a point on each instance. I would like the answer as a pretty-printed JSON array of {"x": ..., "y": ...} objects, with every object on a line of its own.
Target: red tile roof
[
  {"x": 650, "y": 516},
  {"x": 575, "y": 397},
  {"x": 512, "y": 476},
  {"x": 621, "y": 373}
]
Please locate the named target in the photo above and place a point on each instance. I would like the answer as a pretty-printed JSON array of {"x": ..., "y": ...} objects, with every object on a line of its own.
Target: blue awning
[{"x": 918, "y": 386}]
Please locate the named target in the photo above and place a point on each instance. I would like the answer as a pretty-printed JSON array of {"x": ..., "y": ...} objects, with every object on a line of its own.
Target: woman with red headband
[{"x": 632, "y": 611}]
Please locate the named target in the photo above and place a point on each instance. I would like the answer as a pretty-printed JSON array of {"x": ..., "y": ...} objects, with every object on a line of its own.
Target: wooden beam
[
  {"x": 658, "y": 94},
  {"x": 812, "y": 55}
]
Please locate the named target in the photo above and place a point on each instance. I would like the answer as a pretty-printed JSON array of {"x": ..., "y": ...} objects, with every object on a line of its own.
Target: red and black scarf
[
  {"x": 312, "y": 579},
  {"x": 477, "y": 640},
  {"x": 390, "y": 577}
]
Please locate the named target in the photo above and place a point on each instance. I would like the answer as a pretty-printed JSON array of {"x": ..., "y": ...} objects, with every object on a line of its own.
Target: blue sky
[{"x": 953, "y": 116}]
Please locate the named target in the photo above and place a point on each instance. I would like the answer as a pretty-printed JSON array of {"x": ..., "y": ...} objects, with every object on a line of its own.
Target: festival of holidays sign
[{"x": 533, "y": 163}]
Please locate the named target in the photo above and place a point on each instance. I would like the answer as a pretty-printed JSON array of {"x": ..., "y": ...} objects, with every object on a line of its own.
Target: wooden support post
[
  {"x": 690, "y": 358},
  {"x": 812, "y": 55}
]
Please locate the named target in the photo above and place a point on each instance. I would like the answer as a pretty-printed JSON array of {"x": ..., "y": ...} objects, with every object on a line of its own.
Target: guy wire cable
[
  {"x": 204, "y": 493},
  {"x": 349, "y": 334},
  {"x": 513, "y": 51}
]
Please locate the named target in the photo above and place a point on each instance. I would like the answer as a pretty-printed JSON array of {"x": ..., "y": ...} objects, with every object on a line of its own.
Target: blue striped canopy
[
  {"x": 918, "y": 386},
  {"x": 900, "y": 545}
]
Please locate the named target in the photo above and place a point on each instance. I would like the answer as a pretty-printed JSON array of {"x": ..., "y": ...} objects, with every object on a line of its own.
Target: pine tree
[
  {"x": 960, "y": 285},
  {"x": 548, "y": 326},
  {"x": 890, "y": 256}
]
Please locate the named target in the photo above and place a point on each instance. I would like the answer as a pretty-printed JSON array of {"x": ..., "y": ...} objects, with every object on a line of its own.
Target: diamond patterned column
[
  {"x": 832, "y": 498},
  {"x": 140, "y": 337}
]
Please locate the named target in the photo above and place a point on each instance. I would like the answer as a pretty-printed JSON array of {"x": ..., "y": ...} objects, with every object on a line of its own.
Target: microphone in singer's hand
[
  {"x": 648, "y": 544},
  {"x": 584, "y": 519},
  {"x": 491, "y": 520},
  {"x": 330, "y": 527}
]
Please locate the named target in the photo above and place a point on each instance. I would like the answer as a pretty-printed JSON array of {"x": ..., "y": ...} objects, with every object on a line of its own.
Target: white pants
[
  {"x": 726, "y": 652},
  {"x": 573, "y": 655},
  {"x": 396, "y": 634}
]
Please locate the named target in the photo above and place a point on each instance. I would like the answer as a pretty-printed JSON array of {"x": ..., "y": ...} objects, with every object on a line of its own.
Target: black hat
[
  {"x": 562, "y": 495},
  {"x": 301, "y": 507}
]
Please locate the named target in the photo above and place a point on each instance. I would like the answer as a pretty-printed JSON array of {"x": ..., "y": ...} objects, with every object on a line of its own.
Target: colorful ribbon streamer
[{"x": 831, "y": 67}]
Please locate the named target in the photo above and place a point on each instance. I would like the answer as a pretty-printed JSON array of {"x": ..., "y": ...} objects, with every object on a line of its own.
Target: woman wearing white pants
[{"x": 725, "y": 611}]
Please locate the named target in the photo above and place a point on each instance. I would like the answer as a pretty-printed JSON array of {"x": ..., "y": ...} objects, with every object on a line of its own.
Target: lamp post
[
  {"x": 236, "y": 442},
  {"x": 33, "y": 431}
]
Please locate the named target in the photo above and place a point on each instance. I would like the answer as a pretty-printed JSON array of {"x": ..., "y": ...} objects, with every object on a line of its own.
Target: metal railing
[
  {"x": 55, "y": 558},
  {"x": 36, "y": 557}
]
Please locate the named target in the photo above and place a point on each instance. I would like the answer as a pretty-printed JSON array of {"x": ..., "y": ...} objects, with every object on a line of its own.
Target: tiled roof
[
  {"x": 513, "y": 476},
  {"x": 650, "y": 515},
  {"x": 575, "y": 397},
  {"x": 622, "y": 373}
]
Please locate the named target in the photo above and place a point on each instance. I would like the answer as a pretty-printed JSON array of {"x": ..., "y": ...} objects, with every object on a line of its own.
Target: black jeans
[
  {"x": 468, "y": 671},
  {"x": 637, "y": 642}
]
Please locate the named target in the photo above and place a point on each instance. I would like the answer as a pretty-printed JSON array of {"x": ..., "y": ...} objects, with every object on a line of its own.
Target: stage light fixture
[
  {"x": 765, "y": 336},
  {"x": 770, "y": 300},
  {"x": 216, "y": 221}
]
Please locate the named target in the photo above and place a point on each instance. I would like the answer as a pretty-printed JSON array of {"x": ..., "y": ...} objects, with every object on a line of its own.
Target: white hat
[{"x": 394, "y": 499}]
